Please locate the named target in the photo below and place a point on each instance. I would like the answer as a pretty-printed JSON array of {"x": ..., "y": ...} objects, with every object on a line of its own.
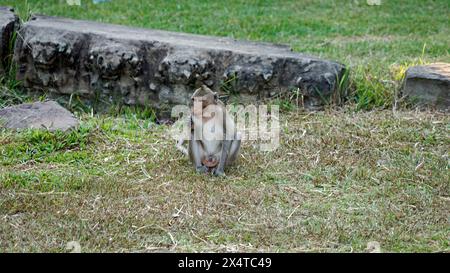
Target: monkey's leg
[
  {"x": 219, "y": 171},
  {"x": 234, "y": 150},
  {"x": 196, "y": 156}
]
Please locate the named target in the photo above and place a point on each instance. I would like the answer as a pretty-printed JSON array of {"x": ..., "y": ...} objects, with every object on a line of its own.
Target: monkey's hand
[{"x": 201, "y": 169}]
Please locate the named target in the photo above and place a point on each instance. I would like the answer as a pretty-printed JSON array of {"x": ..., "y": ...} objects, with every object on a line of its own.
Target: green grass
[
  {"x": 340, "y": 178},
  {"x": 372, "y": 40}
]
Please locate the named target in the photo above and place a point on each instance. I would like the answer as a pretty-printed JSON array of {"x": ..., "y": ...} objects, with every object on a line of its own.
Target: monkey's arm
[
  {"x": 219, "y": 171},
  {"x": 229, "y": 135},
  {"x": 195, "y": 152}
]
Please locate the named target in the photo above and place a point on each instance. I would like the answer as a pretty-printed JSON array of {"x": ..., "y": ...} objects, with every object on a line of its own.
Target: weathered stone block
[
  {"x": 428, "y": 85},
  {"x": 159, "y": 68},
  {"x": 9, "y": 22},
  {"x": 47, "y": 115}
]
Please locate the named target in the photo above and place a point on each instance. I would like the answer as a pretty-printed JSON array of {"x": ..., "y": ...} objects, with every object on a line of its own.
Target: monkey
[{"x": 214, "y": 142}]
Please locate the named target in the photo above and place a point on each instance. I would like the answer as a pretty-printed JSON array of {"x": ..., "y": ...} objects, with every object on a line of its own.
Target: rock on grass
[
  {"x": 9, "y": 22},
  {"x": 39, "y": 115},
  {"x": 429, "y": 85}
]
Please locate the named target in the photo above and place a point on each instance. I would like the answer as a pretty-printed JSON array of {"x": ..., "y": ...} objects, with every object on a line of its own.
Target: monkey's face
[
  {"x": 201, "y": 99},
  {"x": 198, "y": 104}
]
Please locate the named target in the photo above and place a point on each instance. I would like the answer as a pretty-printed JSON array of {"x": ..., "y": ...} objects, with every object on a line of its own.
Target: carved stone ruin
[{"x": 160, "y": 69}]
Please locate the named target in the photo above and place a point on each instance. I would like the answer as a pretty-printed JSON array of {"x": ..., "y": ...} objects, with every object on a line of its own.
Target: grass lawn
[
  {"x": 340, "y": 179},
  {"x": 376, "y": 42}
]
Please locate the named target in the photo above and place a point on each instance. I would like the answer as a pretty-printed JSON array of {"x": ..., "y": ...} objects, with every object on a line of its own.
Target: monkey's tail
[{"x": 182, "y": 148}]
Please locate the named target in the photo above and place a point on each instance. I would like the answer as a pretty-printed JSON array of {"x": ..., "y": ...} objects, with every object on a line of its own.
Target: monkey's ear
[{"x": 216, "y": 97}]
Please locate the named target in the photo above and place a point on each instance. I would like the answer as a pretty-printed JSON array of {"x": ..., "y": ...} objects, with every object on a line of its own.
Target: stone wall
[{"x": 159, "y": 68}]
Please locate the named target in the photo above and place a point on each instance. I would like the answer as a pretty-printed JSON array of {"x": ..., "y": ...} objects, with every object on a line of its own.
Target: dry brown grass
[{"x": 339, "y": 180}]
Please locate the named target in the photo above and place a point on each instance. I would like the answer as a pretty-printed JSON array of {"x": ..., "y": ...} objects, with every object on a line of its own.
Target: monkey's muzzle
[{"x": 210, "y": 162}]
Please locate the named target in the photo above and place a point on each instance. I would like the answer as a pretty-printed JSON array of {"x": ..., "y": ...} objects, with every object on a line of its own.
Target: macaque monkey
[{"x": 214, "y": 142}]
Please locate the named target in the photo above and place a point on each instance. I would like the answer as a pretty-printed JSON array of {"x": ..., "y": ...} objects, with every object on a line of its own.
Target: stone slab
[
  {"x": 9, "y": 22},
  {"x": 428, "y": 85},
  {"x": 159, "y": 68},
  {"x": 47, "y": 115}
]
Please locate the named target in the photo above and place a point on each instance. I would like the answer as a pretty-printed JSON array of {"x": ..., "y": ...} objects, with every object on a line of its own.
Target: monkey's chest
[{"x": 212, "y": 137}]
